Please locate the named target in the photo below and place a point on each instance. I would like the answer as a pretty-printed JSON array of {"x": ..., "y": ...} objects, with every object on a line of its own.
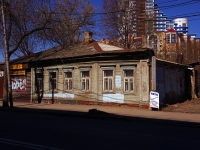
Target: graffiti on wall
[{"x": 19, "y": 84}]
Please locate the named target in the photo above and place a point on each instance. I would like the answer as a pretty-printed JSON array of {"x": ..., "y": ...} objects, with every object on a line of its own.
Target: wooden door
[{"x": 1, "y": 87}]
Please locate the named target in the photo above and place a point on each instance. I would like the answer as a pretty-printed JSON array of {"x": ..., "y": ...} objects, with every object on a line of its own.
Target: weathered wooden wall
[
  {"x": 170, "y": 83},
  {"x": 140, "y": 95}
]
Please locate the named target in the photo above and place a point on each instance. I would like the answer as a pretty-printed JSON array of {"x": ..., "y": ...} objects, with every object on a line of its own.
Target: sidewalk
[{"x": 105, "y": 111}]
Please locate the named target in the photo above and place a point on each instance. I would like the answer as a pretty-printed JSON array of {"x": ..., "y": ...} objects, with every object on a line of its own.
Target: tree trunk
[
  {"x": 194, "y": 96},
  {"x": 5, "y": 89}
]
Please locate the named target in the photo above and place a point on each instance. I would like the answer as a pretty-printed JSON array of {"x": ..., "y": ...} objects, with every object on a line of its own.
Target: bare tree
[
  {"x": 123, "y": 19},
  {"x": 27, "y": 22},
  {"x": 69, "y": 21}
]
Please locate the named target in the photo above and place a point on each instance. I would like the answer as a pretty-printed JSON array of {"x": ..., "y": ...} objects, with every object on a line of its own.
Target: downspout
[
  {"x": 140, "y": 82},
  {"x": 153, "y": 81},
  {"x": 96, "y": 78},
  {"x": 31, "y": 85},
  {"x": 153, "y": 77}
]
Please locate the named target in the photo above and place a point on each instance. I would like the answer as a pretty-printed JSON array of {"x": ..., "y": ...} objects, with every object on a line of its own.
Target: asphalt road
[{"x": 38, "y": 131}]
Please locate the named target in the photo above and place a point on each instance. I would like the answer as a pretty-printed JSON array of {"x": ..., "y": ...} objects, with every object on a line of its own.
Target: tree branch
[{"x": 25, "y": 35}]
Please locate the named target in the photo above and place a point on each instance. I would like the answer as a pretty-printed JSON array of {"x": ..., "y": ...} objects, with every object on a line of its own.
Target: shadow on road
[{"x": 97, "y": 114}]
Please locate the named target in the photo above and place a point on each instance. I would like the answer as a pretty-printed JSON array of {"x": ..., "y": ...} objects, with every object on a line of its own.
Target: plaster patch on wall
[
  {"x": 115, "y": 98},
  {"x": 60, "y": 95}
]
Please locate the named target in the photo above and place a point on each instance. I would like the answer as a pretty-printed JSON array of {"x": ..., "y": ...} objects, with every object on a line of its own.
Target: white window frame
[
  {"x": 109, "y": 78},
  {"x": 128, "y": 68},
  {"x": 170, "y": 38},
  {"x": 55, "y": 79},
  {"x": 86, "y": 81},
  {"x": 68, "y": 80}
]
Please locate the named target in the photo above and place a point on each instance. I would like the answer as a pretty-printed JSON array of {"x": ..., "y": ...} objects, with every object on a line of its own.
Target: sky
[{"x": 189, "y": 9}]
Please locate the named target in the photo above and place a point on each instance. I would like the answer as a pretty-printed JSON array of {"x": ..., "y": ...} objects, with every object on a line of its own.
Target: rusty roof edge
[
  {"x": 102, "y": 53},
  {"x": 194, "y": 64},
  {"x": 173, "y": 63},
  {"x": 96, "y": 46},
  {"x": 110, "y": 53}
]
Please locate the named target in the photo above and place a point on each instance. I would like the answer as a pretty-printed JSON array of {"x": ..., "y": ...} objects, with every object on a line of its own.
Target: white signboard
[
  {"x": 154, "y": 99},
  {"x": 118, "y": 81}
]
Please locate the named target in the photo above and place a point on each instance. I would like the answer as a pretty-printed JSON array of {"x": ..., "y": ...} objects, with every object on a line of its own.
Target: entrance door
[{"x": 1, "y": 88}]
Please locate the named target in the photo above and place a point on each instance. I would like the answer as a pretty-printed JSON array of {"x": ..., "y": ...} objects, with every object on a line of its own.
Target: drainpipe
[
  {"x": 31, "y": 85},
  {"x": 96, "y": 66},
  {"x": 52, "y": 82}
]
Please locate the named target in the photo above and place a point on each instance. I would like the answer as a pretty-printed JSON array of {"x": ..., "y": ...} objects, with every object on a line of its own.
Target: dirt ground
[{"x": 189, "y": 106}]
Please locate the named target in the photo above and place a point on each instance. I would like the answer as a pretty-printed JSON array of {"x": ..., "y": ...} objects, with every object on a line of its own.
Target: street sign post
[{"x": 154, "y": 99}]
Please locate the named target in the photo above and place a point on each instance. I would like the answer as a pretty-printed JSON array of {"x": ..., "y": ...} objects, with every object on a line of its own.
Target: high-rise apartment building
[
  {"x": 134, "y": 16},
  {"x": 162, "y": 22},
  {"x": 181, "y": 25},
  {"x": 139, "y": 13},
  {"x": 149, "y": 7}
]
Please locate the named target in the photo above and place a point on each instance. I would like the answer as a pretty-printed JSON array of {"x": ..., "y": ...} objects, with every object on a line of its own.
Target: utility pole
[{"x": 6, "y": 51}]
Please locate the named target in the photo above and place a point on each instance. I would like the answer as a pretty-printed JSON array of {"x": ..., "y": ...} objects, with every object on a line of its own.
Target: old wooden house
[{"x": 98, "y": 73}]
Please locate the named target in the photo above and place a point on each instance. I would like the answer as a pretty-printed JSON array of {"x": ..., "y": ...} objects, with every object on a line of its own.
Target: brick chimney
[{"x": 88, "y": 37}]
